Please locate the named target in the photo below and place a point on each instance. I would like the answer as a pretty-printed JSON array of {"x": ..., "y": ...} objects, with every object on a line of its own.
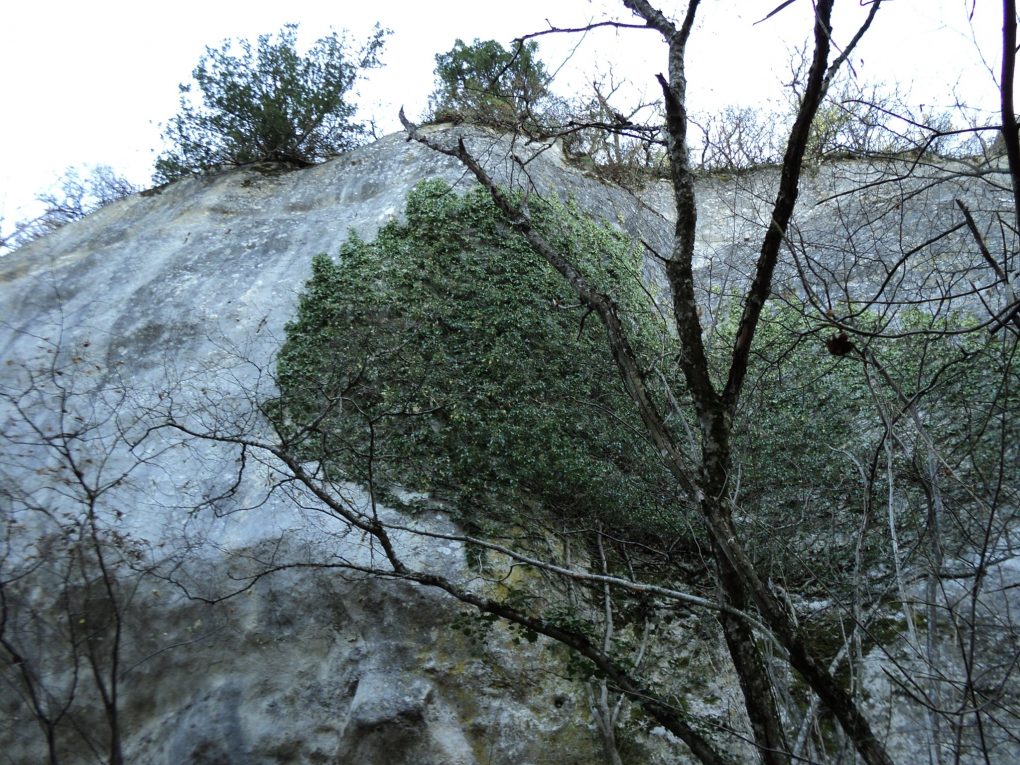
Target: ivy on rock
[{"x": 445, "y": 356}]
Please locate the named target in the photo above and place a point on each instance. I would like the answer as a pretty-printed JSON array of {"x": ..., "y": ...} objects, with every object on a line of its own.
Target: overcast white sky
[{"x": 89, "y": 83}]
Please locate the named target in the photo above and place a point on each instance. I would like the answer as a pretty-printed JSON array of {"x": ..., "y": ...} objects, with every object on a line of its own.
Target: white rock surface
[{"x": 176, "y": 300}]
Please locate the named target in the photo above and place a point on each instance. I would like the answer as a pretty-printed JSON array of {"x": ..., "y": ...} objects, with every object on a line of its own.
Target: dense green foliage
[
  {"x": 267, "y": 103},
  {"x": 486, "y": 84},
  {"x": 446, "y": 356},
  {"x": 829, "y": 441}
]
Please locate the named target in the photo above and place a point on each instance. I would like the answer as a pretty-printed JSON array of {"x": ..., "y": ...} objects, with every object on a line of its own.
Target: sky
[{"x": 84, "y": 84}]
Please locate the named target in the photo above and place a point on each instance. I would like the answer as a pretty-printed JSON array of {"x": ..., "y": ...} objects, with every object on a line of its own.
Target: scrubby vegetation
[
  {"x": 267, "y": 103},
  {"x": 486, "y": 84},
  {"x": 445, "y": 356}
]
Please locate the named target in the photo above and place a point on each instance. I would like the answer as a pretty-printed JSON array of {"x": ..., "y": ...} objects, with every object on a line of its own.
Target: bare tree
[
  {"x": 894, "y": 561},
  {"x": 74, "y": 196},
  {"x": 69, "y": 571},
  {"x": 707, "y": 474},
  {"x": 764, "y": 612}
]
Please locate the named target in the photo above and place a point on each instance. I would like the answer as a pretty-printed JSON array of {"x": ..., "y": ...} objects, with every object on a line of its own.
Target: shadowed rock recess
[{"x": 173, "y": 302}]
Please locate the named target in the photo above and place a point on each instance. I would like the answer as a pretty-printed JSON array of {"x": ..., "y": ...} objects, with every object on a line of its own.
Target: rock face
[
  {"x": 181, "y": 295},
  {"x": 175, "y": 301}
]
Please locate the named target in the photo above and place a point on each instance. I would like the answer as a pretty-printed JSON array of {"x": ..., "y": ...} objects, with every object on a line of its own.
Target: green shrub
[
  {"x": 484, "y": 83},
  {"x": 446, "y": 356},
  {"x": 267, "y": 103},
  {"x": 810, "y": 470}
]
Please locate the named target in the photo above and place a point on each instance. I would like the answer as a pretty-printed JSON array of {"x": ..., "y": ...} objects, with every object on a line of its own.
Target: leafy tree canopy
[
  {"x": 268, "y": 103},
  {"x": 485, "y": 83}
]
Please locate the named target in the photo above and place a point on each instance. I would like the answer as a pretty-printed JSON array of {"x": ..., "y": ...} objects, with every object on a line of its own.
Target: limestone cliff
[
  {"x": 174, "y": 302},
  {"x": 181, "y": 294}
]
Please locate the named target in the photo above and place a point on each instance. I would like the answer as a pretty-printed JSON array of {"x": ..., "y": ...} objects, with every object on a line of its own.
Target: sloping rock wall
[{"x": 175, "y": 301}]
